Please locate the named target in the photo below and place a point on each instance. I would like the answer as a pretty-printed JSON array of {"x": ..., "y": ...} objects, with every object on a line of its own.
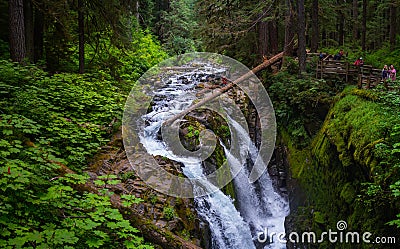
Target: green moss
[
  {"x": 365, "y": 93},
  {"x": 300, "y": 159},
  {"x": 187, "y": 216},
  {"x": 191, "y": 128},
  {"x": 224, "y": 171},
  {"x": 348, "y": 193},
  {"x": 341, "y": 157},
  {"x": 354, "y": 127},
  {"x": 319, "y": 217}
]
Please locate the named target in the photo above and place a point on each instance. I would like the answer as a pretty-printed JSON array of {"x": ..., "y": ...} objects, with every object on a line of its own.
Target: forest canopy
[{"x": 66, "y": 35}]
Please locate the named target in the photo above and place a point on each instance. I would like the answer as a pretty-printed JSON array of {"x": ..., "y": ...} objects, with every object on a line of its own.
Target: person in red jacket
[
  {"x": 224, "y": 81},
  {"x": 359, "y": 62}
]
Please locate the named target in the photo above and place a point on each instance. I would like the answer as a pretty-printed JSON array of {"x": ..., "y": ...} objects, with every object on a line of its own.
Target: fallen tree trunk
[{"x": 220, "y": 91}]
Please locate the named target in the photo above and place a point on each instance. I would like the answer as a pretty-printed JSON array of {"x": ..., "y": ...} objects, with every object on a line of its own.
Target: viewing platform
[{"x": 366, "y": 76}]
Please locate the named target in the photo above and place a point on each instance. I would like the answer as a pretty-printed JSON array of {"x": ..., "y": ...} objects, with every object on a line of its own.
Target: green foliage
[
  {"x": 395, "y": 222},
  {"x": 129, "y": 200},
  {"x": 229, "y": 27},
  {"x": 192, "y": 132},
  {"x": 383, "y": 56},
  {"x": 169, "y": 213},
  {"x": 190, "y": 129},
  {"x": 49, "y": 123},
  {"x": 390, "y": 98},
  {"x": 127, "y": 175},
  {"x": 106, "y": 180},
  {"x": 73, "y": 112},
  {"x": 113, "y": 42},
  {"x": 319, "y": 217},
  {"x": 292, "y": 66},
  {"x": 386, "y": 185},
  {"x": 106, "y": 22},
  {"x": 44, "y": 212},
  {"x": 224, "y": 131},
  {"x": 295, "y": 101},
  {"x": 4, "y": 51},
  {"x": 153, "y": 199},
  {"x": 178, "y": 25},
  {"x": 127, "y": 64}
]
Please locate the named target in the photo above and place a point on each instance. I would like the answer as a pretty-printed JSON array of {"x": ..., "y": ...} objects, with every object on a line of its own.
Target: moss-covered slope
[{"x": 349, "y": 169}]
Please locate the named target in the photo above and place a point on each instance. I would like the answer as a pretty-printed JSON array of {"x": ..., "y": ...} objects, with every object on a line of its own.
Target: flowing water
[{"x": 260, "y": 207}]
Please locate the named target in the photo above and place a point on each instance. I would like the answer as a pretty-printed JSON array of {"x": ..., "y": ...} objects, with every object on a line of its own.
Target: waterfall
[
  {"x": 260, "y": 206},
  {"x": 228, "y": 229}
]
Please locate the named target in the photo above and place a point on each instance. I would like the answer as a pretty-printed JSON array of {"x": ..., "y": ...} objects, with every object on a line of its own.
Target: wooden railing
[{"x": 365, "y": 74}]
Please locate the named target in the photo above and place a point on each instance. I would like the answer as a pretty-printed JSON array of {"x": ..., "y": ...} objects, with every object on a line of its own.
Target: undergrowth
[{"x": 52, "y": 124}]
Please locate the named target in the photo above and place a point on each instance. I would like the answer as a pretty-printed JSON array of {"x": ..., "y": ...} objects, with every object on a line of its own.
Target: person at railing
[
  {"x": 359, "y": 62},
  {"x": 392, "y": 73},
  {"x": 385, "y": 73},
  {"x": 321, "y": 56},
  {"x": 339, "y": 55}
]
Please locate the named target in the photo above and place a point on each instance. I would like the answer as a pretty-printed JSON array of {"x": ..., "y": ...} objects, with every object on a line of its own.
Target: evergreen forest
[{"x": 67, "y": 68}]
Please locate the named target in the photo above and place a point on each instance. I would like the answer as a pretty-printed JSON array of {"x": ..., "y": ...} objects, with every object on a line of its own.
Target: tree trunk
[
  {"x": 29, "y": 29},
  {"x": 289, "y": 33},
  {"x": 220, "y": 91},
  {"x": 81, "y": 27},
  {"x": 17, "y": 30},
  {"x": 137, "y": 12},
  {"x": 341, "y": 23},
  {"x": 364, "y": 25},
  {"x": 324, "y": 38},
  {"x": 263, "y": 39},
  {"x": 273, "y": 36},
  {"x": 355, "y": 20},
  {"x": 392, "y": 24},
  {"x": 341, "y": 30},
  {"x": 315, "y": 26},
  {"x": 301, "y": 51},
  {"x": 38, "y": 35}
]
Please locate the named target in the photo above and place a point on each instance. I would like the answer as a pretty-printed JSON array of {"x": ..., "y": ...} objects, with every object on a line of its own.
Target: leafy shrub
[
  {"x": 4, "y": 51},
  {"x": 292, "y": 66},
  {"x": 299, "y": 102},
  {"x": 48, "y": 124},
  {"x": 169, "y": 213},
  {"x": 75, "y": 112},
  {"x": 127, "y": 64}
]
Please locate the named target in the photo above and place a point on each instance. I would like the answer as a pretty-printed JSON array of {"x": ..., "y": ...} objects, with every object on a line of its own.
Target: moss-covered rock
[
  {"x": 339, "y": 164},
  {"x": 197, "y": 122}
]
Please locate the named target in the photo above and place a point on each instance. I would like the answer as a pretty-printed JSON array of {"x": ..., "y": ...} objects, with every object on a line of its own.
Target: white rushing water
[{"x": 260, "y": 206}]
